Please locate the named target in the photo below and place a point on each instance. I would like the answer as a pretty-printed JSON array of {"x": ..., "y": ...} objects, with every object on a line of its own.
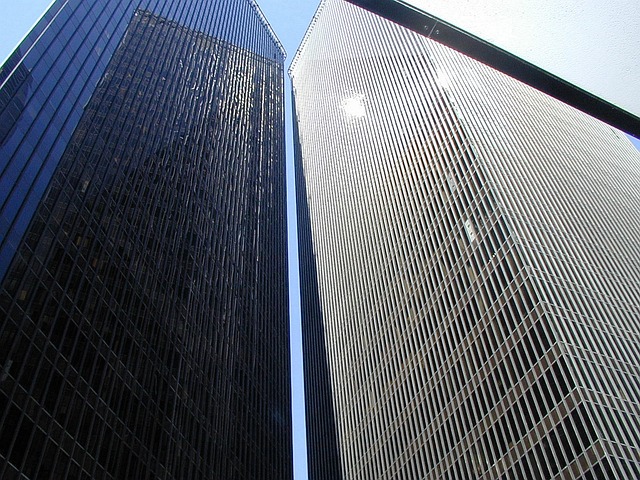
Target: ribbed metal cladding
[
  {"x": 144, "y": 328},
  {"x": 469, "y": 255}
]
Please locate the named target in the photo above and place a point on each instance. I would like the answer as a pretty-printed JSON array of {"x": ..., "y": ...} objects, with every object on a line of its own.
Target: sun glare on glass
[{"x": 354, "y": 106}]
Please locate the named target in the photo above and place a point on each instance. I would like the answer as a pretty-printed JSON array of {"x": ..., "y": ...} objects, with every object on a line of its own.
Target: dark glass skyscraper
[
  {"x": 143, "y": 277},
  {"x": 469, "y": 255}
]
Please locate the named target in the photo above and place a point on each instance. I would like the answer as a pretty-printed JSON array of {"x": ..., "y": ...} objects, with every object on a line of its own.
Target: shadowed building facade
[
  {"x": 143, "y": 278},
  {"x": 469, "y": 255}
]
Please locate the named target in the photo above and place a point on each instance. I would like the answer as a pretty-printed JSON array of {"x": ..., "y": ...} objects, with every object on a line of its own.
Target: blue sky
[{"x": 289, "y": 19}]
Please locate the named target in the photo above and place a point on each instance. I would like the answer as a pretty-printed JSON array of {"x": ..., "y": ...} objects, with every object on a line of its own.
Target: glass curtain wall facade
[
  {"x": 469, "y": 256},
  {"x": 143, "y": 280}
]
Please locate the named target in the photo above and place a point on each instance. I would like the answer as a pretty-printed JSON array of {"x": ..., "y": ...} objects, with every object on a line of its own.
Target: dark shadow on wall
[{"x": 323, "y": 454}]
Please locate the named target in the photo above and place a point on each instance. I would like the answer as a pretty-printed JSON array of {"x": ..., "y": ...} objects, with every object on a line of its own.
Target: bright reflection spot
[
  {"x": 443, "y": 80},
  {"x": 354, "y": 106}
]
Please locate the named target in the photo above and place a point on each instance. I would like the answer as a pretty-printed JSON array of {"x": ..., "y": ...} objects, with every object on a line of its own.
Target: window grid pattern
[
  {"x": 144, "y": 311},
  {"x": 468, "y": 311},
  {"x": 48, "y": 80}
]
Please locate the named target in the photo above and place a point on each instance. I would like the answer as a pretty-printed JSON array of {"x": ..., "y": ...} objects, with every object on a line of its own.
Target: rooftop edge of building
[
  {"x": 306, "y": 36},
  {"x": 270, "y": 29}
]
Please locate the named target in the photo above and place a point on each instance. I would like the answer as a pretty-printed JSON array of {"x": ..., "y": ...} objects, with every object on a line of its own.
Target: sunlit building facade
[
  {"x": 469, "y": 255},
  {"x": 143, "y": 276}
]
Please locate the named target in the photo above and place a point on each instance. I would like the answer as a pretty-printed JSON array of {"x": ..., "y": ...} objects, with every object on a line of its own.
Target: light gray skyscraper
[{"x": 469, "y": 252}]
